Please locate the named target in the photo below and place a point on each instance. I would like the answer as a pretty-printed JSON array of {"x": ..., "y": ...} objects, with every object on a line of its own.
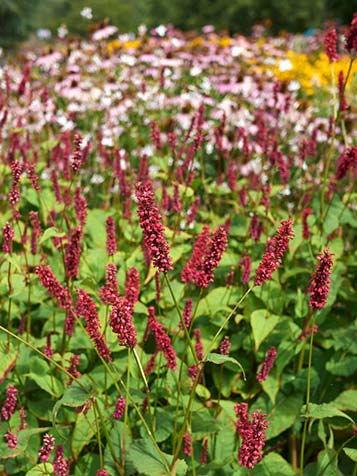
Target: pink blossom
[
  {"x": 111, "y": 240},
  {"x": 10, "y": 402},
  {"x": 330, "y": 44},
  {"x": 60, "y": 465},
  {"x": 252, "y": 433},
  {"x": 47, "y": 447},
  {"x": 320, "y": 280},
  {"x": 153, "y": 230},
  {"x": 274, "y": 251},
  {"x": 162, "y": 340},
  {"x": 8, "y": 235},
  {"x": 267, "y": 365},
  {"x": 119, "y": 408}
]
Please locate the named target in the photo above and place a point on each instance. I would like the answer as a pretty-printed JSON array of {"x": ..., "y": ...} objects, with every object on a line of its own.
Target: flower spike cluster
[
  {"x": 252, "y": 433},
  {"x": 153, "y": 229},
  {"x": 162, "y": 340},
  {"x": 206, "y": 255},
  {"x": 274, "y": 252},
  {"x": 320, "y": 281}
]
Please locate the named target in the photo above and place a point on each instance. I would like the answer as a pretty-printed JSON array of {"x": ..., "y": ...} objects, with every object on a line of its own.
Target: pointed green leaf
[
  {"x": 324, "y": 410},
  {"x": 346, "y": 401},
  {"x": 221, "y": 359},
  {"x": 42, "y": 469},
  {"x": 284, "y": 414},
  {"x": 146, "y": 459},
  {"x": 351, "y": 453},
  {"x": 50, "y": 233},
  {"x": 262, "y": 323}
]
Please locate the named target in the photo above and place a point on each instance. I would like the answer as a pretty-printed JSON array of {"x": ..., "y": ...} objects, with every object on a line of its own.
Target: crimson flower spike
[
  {"x": 275, "y": 249},
  {"x": 153, "y": 229},
  {"x": 320, "y": 281}
]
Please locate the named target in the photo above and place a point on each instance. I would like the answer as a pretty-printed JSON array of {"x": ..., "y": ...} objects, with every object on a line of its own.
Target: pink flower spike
[
  {"x": 119, "y": 408},
  {"x": 252, "y": 433},
  {"x": 274, "y": 251},
  {"x": 111, "y": 240},
  {"x": 11, "y": 439},
  {"x": 10, "y": 402},
  {"x": 267, "y": 365},
  {"x": 330, "y": 44},
  {"x": 320, "y": 281},
  {"x": 8, "y": 235},
  {"x": 162, "y": 340},
  {"x": 47, "y": 447},
  {"x": 60, "y": 465},
  {"x": 153, "y": 229},
  {"x": 351, "y": 36}
]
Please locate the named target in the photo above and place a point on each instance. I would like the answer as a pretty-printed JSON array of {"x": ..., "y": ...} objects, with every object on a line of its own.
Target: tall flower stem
[
  {"x": 233, "y": 311},
  {"x": 187, "y": 335},
  {"x": 308, "y": 390}
]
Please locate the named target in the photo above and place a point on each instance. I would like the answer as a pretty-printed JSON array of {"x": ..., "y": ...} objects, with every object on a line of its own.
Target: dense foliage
[{"x": 178, "y": 261}]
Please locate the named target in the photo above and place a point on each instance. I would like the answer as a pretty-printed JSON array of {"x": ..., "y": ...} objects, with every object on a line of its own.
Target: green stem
[
  {"x": 62, "y": 369},
  {"x": 10, "y": 301},
  {"x": 186, "y": 418},
  {"x": 95, "y": 407},
  {"x": 187, "y": 335},
  {"x": 141, "y": 370},
  {"x": 213, "y": 342},
  {"x": 308, "y": 390},
  {"x": 116, "y": 378}
]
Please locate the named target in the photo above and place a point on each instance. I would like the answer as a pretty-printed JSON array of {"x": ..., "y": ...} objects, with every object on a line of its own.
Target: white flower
[
  {"x": 108, "y": 141},
  {"x": 62, "y": 31},
  {"x": 285, "y": 65},
  {"x": 96, "y": 179},
  {"x": 142, "y": 29},
  {"x": 87, "y": 13},
  {"x": 195, "y": 71},
  {"x": 161, "y": 30},
  {"x": 43, "y": 33}
]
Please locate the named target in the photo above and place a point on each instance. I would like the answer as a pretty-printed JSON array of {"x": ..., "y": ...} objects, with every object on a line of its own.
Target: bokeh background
[{"x": 21, "y": 19}]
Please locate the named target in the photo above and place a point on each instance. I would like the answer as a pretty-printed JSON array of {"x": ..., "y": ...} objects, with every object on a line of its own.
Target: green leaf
[
  {"x": 283, "y": 415},
  {"x": 342, "y": 367},
  {"x": 273, "y": 465},
  {"x": 50, "y": 233},
  {"x": 271, "y": 387},
  {"x": 203, "y": 392},
  {"x": 74, "y": 397},
  {"x": 83, "y": 432},
  {"x": 351, "y": 453},
  {"x": 221, "y": 359},
  {"x": 215, "y": 300},
  {"x": 346, "y": 401},
  {"x": 39, "y": 372},
  {"x": 146, "y": 459},
  {"x": 324, "y": 410},
  {"x": 7, "y": 360},
  {"x": 164, "y": 425},
  {"x": 262, "y": 323},
  {"x": 14, "y": 260},
  {"x": 327, "y": 463},
  {"x": 301, "y": 307},
  {"x": 203, "y": 422},
  {"x": 42, "y": 469}
]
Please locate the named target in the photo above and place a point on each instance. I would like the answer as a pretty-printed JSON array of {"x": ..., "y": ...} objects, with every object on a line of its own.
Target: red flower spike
[
  {"x": 162, "y": 340},
  {"x": 320, "y": 281},
  {"x": 252, "y": 433},
  {"x": 153, "y": 230},
  {"x": 330, "y": 44},
  {"x": 267, "y": 365},
  {"x": 274, "y": 251}
]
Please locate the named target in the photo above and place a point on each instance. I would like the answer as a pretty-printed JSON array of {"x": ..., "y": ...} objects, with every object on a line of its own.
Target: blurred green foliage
[{"x": 18, "y": 18}]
